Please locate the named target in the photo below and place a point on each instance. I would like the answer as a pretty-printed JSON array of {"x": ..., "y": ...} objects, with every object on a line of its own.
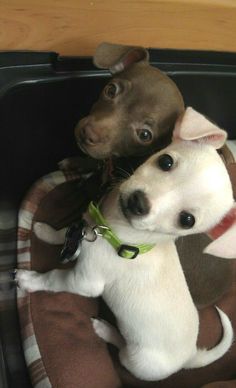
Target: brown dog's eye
[
  {"x": 111, "y": 90},
  {"x": 145, "y": 135}
]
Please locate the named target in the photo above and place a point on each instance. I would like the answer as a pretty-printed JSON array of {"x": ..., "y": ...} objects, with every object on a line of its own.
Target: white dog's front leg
[
  {"x": 59, "y": 281},
  {"x": 56, "y": 280}
]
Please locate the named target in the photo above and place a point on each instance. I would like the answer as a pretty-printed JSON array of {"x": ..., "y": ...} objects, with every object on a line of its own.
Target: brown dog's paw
[
  {"x": 70, "y": 164},
  {"x": 78, "y": 165}
]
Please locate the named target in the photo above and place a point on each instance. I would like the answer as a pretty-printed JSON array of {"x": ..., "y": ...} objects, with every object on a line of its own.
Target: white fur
[{"x": 149, "y": 295}]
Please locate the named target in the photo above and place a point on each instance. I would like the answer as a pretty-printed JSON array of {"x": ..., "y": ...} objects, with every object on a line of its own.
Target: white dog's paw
[
  {"x": 101, "y": 328},
  {"x": 48, "y": 234},
  {"x": 28, "y": 280},
  {"x": 107, "y": 332}
]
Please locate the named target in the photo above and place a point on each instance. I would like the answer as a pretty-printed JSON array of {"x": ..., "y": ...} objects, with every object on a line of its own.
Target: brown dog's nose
[
  {"x": 138, "y": 203},
  {"x": 89, "y": 135}
]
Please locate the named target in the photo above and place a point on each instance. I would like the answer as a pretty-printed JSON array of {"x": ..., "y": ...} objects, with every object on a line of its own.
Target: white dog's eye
[
  {"x": 165, "y": 162},
  {"x": 186, "y": 220}
]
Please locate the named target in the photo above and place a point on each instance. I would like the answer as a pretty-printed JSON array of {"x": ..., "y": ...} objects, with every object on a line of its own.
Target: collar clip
[{"x": 125, "y": 250}]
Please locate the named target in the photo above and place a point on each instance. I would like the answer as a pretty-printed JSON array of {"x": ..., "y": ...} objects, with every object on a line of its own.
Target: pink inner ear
[
  {"x": 213, "y": 138},
  {"x": 133, "y": 56},
  {"x": 193, "y": 126}
]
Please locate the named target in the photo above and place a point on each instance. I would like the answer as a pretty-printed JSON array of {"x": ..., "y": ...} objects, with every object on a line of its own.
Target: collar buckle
[
  {"x": 91, "y": 233},
  {"x": 103, "y": 229},
  {"x": 123, "y": 249}
]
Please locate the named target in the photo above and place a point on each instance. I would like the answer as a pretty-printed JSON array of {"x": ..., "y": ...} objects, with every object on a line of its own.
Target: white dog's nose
[{"x": 138, "y": 203}]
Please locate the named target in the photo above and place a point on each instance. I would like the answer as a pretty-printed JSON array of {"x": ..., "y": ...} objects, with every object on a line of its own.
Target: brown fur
[{"x": 147, "y": 99}]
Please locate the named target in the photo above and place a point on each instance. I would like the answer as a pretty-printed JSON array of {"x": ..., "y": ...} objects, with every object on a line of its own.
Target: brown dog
[
  {"x": 134, "y": 116},
  {"x": 136, "y": 110}
]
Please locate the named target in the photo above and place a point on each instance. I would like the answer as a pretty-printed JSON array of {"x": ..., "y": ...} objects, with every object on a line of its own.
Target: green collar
[{"x": 123, "y": 250}]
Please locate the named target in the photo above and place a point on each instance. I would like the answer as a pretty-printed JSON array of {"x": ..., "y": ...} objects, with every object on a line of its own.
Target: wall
[{"x": 75, "y": 27}]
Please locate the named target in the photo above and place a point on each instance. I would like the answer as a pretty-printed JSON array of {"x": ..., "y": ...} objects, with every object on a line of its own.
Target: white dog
[{"x": 181, "y": 190}]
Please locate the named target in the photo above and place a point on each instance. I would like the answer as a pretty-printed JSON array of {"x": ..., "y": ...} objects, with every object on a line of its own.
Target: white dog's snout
[{"x": 137, "y": 203}]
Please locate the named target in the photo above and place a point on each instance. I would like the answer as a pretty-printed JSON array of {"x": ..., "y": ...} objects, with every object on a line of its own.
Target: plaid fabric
[{"x": 28, "y": 208}]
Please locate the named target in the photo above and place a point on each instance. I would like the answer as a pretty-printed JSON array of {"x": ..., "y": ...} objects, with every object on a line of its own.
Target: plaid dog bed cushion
[{"x": 60, "y": 347}]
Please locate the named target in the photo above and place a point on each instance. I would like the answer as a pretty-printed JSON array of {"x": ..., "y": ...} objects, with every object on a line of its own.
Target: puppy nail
[{"x": 13, "y": 273}]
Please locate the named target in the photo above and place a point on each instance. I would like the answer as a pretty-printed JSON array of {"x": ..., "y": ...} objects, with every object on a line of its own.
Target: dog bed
[{"x": 60, "y": 346}]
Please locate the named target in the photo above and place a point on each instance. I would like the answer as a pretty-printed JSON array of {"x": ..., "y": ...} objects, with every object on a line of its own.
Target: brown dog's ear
[
  {"x": 117, "y": 57},
  {"x": 192, "y": 125}
]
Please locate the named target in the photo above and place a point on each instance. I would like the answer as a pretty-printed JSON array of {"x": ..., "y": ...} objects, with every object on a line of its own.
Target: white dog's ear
[
  {"x": 192, "y": 125},
  {"x": 224, "y": 235}
]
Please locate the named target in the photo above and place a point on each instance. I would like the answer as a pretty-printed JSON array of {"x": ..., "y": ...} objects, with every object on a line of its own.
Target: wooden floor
[{"x": 75, "y": 27}]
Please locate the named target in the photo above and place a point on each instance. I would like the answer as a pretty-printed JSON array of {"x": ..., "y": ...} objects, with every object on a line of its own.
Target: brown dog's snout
[
  {"x": 89, "y": 134},
  {"x": 138, "y": 203}
]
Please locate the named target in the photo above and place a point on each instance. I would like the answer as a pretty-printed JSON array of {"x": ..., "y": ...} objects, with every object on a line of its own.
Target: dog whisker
[
  {"x": 115, "y": 182},
  {"x": 124, "y": 173}
]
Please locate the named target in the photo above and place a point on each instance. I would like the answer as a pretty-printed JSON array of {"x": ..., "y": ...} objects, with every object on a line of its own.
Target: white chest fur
[{"x": 149, "y": 292}]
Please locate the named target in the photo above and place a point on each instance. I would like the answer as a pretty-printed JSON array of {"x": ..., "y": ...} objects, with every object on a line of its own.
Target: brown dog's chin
[
  {"x": 82, "y": 148},
  {"x": 98, "y": 155},
  {"x": 92, "y": 152}
]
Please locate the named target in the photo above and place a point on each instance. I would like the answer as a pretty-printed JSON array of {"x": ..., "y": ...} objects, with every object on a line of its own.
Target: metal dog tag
[{"x": 72, "y": 246}]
